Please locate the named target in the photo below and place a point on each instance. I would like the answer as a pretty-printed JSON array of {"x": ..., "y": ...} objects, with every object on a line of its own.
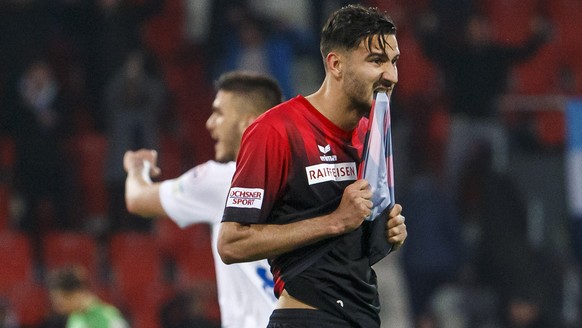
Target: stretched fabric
[{"x": 376, "y": 165}]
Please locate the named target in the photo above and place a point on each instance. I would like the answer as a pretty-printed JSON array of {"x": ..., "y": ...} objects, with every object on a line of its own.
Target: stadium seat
[
  {"x": 7, "y": 153},
  {"x": 551, "y": 127},
  {"x": 60, "y": 248},
  {"x": 16, "y": 259},
  {"x": 170, "y": 157},
  {"x": 144, "y": 309},
  {"x": 135, "y": 262},
  {"x": 510, "y": 18},
  {"x": 87, "y": 153},
  {"x": 167, "y": 234},
  {"x": 164, "y": 32},
  {"x": 565, "y": 16},
  {"x": 7, "y": 161},
  {"x": 189, "y": 250},
  {"x": 30, "y": 303},
  {"x": 4, "y": 206},
  {"x": 539, "y": 74},
  {"x": 137, "y": 276},
  {"x": 418, "y": 72},
  {"x": 195, "y": 251}
]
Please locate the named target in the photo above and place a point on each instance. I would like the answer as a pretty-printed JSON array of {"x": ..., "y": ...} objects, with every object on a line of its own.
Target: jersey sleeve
[
  {"x": 198, "y": 195},
  {"x": 261, "y": 174}
]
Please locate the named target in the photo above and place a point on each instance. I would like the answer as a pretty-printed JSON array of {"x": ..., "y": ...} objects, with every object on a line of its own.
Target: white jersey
[{"x": 245, "y": 290}]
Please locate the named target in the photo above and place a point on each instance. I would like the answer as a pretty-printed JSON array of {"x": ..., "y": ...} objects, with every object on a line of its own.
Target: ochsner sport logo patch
[
  {"x": 331, "y": 172},
  {"x": 245, "y": 197}
]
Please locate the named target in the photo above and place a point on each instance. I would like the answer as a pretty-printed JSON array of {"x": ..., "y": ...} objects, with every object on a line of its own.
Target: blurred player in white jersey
[{"x": 245, "y": 290}]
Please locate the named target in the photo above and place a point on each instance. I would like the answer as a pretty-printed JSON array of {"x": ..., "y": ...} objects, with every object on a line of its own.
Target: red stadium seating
[
  {"x": 511, "y": 19},
  {"x": 87, "y": 153},
  {"x": 144, "y": 309},
  {"x": 167, "y": 234},
  {"x": 7, "y": 153},
  {"x": 567, "y": 18},
  {"x": 135, "y": 262},
  {"x": 30, "y": 303},
  {"x": 61, "y": 248},
  {"x": 193, "y": 254},
  {"x": 170, "y": 157},
  {"x": 418, "y": 73},
  {"x": 136, "y": 267},
  {"x": 550, "y": 126},
  {"x": 539, "y": 74},
  {"x": 7, "y": 161},
  {"x": 189, "y": 249},
  {"x": 4, "y": 206},
  {"x": 16, "y": 259}
]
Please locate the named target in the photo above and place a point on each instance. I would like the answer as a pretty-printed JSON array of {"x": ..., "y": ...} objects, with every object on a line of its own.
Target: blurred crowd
[{"x": 82, "y": 81}]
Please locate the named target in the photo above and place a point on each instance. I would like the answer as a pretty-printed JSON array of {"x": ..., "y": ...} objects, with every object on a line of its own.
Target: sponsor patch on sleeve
[{"x": 245, "y": 197}]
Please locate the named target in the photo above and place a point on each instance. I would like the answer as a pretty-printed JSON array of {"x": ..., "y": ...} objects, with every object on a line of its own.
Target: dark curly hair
[{"x": 348, "y": 26}]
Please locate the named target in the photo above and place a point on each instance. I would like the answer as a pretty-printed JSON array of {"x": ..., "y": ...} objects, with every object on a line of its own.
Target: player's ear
[
  {"x": 245, "y": 121},
  {"x": 334, "y": 64}
]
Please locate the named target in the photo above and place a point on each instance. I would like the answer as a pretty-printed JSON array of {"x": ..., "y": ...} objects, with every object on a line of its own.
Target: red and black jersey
[{"x": 294, "y": 164}]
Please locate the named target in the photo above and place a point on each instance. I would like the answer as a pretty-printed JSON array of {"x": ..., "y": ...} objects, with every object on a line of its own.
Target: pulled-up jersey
[{"x": 294, "y": 164}]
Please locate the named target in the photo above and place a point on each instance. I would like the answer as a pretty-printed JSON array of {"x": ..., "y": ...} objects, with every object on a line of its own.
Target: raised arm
[{"x": 141, "y": 194}]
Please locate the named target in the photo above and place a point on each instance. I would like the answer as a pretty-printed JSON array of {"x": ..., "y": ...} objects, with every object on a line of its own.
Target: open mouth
[{"x": 383, "y": 89}]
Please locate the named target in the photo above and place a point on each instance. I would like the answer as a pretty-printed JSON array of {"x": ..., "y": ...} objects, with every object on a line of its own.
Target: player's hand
[
  {"x": 136, "y": 161},
  {"x": 354, "y": 208},
  {"x": 396, "y": 228}
]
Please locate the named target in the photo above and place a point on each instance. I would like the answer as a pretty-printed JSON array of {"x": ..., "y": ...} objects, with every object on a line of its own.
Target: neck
[
  {"x": 85, "y": 301},
  {"x": 330, "y": 101}
]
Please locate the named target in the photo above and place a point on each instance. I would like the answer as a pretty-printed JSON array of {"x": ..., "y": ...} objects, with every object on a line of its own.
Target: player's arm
[
  {"x": 141, "y": 194},
  {"x": 239, "y": 242}
]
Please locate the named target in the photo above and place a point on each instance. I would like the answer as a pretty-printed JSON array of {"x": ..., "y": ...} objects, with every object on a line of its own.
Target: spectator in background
[
  {"x": 475, "y": 69},
  {"x": 256, "y": 44},
  {"x": 27, "y": 32},
  {"x": 527, "y": 293},
  {"x": 104, "y": 32},
  {"x": 133, "y": 99},
  {"x": 433, "y": 256},
  {"x": 70, "y": 295},
  {"x": 38, "y": 122}
]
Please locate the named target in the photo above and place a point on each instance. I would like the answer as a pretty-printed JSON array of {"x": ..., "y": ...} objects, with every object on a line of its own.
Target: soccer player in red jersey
[{"x": 295, "y": 197}]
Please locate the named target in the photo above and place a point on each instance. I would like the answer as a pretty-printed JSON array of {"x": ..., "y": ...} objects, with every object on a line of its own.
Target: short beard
[
  {"x": 363, "y": 106},
  {"x": 355, "y": 91}
]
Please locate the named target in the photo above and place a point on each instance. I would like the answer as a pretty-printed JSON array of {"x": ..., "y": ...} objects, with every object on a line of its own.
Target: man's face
[
  {"x": 368, "y": 70},
  {"x": 224, "y": 125}
]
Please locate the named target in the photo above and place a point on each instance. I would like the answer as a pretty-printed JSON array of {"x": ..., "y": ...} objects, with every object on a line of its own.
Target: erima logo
[
  {"x": 324, "y": 150},
  {"x": 245, "y": 198}
]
